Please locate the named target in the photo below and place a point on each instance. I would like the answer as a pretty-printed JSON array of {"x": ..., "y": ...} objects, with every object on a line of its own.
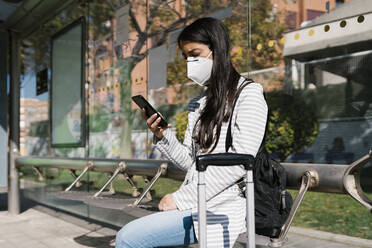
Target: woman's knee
[{"x": 125, "y": 238}]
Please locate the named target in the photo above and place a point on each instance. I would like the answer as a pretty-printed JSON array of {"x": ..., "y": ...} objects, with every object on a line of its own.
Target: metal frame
[
  {"x": 351, "y": 181},
  {"x": 86, "y": 169},
  {"x": 81, "y": 21},
  {"x": 74, "y": 175},
  {"x": 4, "y": 55},
  {"x": 120, "y": 169},
  {"x": 202, "y": 210},
  {"x": 38, "y": 172},
  {"x": 129, "y": 178},
  {"x": 225, "y": 159},
  {"x": 14, "y": 206},
  {"x": 250, "y": 210},
  {"x": 162, "y": 170},
  {"x": 309, "y": 179},
  {"x": 329, "y": 178}
]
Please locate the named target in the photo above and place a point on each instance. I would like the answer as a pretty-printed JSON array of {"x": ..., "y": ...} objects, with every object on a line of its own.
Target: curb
[{"x": 348, "y": 240}]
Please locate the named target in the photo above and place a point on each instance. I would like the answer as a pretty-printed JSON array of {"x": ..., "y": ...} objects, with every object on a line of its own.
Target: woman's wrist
[{"x": 160, "y": 135}]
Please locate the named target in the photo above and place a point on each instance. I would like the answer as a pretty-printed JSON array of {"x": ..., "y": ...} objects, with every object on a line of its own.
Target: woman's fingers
[
  {"x": 150, "y": 120},
  {"x": 155, "y": 124}
]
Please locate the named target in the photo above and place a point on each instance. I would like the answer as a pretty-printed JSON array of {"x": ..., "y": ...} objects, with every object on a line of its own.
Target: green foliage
[
  {"x": 280, "y": 136},
  {"x": 292, "y": 124},
  {"x": 265, "y": 27},
  {"x": 181, "y": 125},
  {"x": 100, "y": 151},
  {"x": 64, "y": 152},
  {"x": 176, "y": 71},
  {"x": 335, "y": 213},
  {"x": 99, "y": 120}
]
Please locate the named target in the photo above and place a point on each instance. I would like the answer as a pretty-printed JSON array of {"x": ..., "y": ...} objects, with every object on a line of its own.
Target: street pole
[
  {"x": 3, "y": 110},
  {"x": 13, "y": 189}
]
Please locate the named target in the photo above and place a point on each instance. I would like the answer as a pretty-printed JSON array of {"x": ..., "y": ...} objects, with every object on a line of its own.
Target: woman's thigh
[{"x": 162, "y": 229}]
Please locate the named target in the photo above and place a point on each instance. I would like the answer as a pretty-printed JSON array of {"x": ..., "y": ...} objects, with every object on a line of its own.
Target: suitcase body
[{"x": 226, "y": 159}]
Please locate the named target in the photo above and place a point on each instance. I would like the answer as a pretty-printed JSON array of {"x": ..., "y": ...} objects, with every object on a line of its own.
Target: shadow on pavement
[
  {"x": 101, "y": 242},
  {"x": 25, "y": 202}
]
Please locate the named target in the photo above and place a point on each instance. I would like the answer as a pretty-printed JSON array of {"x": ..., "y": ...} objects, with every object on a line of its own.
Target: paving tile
[
  {"x": 4, "y": 244},
  {"x": 57, "y": 242}
]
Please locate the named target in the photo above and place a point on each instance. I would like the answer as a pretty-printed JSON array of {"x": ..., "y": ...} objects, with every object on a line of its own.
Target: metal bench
[{"x": 328, "y": 178}]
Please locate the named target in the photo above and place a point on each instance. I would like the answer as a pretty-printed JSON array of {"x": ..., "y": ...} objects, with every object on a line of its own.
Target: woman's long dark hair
[{"x": 222, "y": 84}]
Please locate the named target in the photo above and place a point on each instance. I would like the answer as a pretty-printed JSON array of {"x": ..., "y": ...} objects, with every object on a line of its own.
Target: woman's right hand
[{"x": 152, "y": 123}]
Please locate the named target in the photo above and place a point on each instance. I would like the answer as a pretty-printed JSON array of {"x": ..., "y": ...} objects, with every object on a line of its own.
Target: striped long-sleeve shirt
[{"x": 225, "y": 204}]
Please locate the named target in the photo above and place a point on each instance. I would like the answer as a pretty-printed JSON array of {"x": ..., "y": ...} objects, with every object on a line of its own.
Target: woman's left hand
[{"x": 167, "y": 203}]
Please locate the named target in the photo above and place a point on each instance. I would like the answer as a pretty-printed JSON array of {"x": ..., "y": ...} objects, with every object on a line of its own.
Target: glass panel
[
  {"x": 315, "y": 69},
  {"x": 288, "y": 133},
  {"x": 342, "y": 99},
  {"x": 320, "y": 97},
  {"x": 67, "y": 86},
  {"x": 294, "y": 58},
  {"x": 133, "y": 50},
  {"x": 34, "y": 116},
  {"x": 132, "y": 55}
]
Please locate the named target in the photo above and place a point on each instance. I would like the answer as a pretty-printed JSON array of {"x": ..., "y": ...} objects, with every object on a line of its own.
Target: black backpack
[{"x": 272, "y": 202}]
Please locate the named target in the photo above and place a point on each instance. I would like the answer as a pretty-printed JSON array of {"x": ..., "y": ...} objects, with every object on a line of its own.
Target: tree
[
  {"x": 256, "y": 44},
  {"x": 267, "y": 32},
  {"x": 161, "y": 19},
  {"x": 287, "y": 130},
  {"x": 151, "y": 22},
  {"x": 292, "y": 124}
]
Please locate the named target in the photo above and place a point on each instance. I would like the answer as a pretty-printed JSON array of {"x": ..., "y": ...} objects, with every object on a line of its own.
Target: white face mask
[{"x": 199, "y": 69}]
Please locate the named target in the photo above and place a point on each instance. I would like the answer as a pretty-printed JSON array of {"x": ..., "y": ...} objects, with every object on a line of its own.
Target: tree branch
[
  {"x": 173, "y": 10},
  {"x": 153, "y": 12},
  {"x": 134, "y": 21},
  {"x": 143, "y": 36}
]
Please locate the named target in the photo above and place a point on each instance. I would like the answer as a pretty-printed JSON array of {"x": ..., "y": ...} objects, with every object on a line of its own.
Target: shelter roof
[{"x": 346, "y": 29}]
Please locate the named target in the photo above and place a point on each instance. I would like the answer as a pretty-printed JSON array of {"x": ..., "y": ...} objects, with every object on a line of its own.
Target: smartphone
[{"x": 150, "y": 110}]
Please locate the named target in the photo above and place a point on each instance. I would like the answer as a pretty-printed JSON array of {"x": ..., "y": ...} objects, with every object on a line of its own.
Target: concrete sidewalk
[
  {"x": 36, "y": 229},
  {"x": 43, "y": 227}
]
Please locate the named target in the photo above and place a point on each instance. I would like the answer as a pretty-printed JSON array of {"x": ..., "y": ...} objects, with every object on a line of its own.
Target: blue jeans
[{"x": 162, "y": 229}]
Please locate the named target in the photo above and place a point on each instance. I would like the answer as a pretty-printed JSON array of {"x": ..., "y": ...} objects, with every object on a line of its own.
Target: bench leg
[
  {"x": 38, "y": 172},
  {"x": 161, "y": 171},
  {"x": 120, "y": 169},
  {"x": 135, "y": 191},
  {"x": 309, "y": 179}
]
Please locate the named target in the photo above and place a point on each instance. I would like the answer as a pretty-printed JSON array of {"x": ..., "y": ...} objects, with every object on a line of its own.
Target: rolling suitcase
[{"x": 226, "y": 159}]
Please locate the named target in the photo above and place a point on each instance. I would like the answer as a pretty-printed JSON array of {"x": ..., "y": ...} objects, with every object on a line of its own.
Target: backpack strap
[{"x": 228, "y": 140}]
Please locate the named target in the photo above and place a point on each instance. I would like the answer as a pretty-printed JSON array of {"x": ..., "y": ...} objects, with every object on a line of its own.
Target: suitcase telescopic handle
[{"x": 224, "y": 159}]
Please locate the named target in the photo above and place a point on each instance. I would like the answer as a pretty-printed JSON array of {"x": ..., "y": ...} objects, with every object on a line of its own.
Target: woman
[{"x": 205, "y": 44}]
